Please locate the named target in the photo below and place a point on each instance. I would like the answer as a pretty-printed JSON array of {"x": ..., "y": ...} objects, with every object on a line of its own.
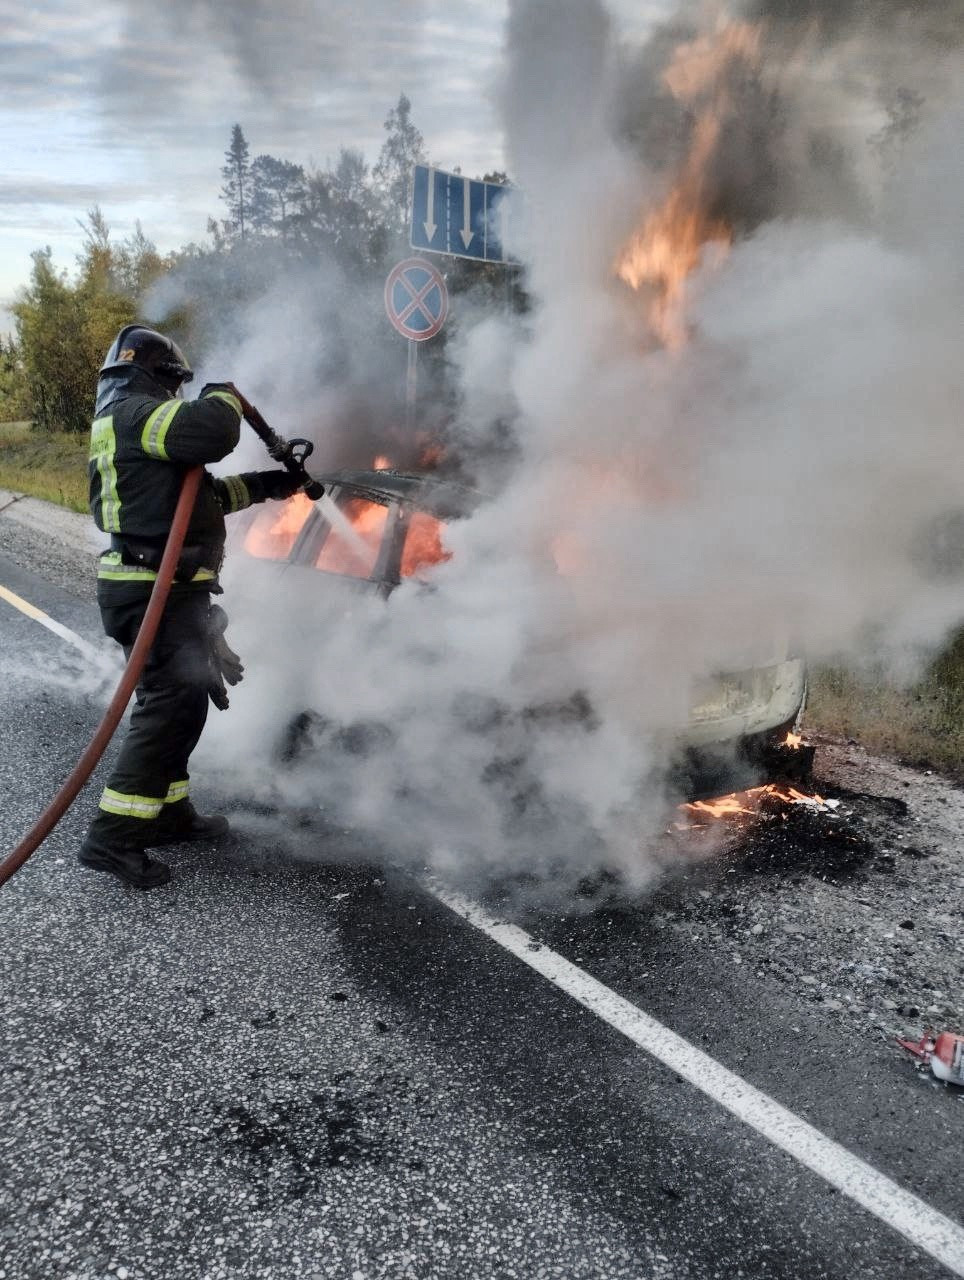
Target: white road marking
[
  {"x": 65, "y": 633},
  {"x": 923, "y": 1226}
]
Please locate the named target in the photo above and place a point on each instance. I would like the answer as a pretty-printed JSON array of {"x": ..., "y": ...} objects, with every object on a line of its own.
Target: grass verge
[
  {"x": 920, "y": 725},
  {"x": 45, "y": 464}
]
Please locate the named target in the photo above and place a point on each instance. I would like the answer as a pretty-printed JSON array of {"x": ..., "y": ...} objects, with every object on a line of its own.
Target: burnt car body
[{"x": 376, "y": 528}]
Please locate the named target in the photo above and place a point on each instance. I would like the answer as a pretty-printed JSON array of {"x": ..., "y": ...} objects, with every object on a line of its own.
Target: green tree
[
  {"x": 14, "y": 398},
  {"x": 105, "y": 301},
  {"x": 277, "y": 190},
  {"x": 342, "y": 216},
  {"x": 50, "y": 336},
  {"x": 361, "y": 233},
  {"x": 64, "y": 328},
  {"x": 401, "y": 151},
  {"x": 236, "y": 192},
  {"x": 138, "y": 264}
]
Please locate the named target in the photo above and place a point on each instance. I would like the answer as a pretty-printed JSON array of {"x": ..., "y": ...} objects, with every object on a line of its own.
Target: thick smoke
[
  {"x": 779, "y": 475},
  {"x": 812, "y": 126},
  {"x": 907, "y": 31},
  {"x": 318, "y": 357}
]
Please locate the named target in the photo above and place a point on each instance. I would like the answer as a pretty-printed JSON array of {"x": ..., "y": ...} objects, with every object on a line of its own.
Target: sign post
[
  {"x": 411, "y": 387},
  {"x": 416, "y": 303}
]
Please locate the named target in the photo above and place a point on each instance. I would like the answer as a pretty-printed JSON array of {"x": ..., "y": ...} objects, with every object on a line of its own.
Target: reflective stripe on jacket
[
  {"x": 140, "y": 452},
  {"x": 113, "y": 569}
]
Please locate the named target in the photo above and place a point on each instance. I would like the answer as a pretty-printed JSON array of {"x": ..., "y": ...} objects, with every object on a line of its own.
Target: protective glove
[
  {"x": 271, "y": 484},
  {"x": 224, "y": 663},
  {"x": 217, "y": 692},
  {"x": 219, "y": 386}
]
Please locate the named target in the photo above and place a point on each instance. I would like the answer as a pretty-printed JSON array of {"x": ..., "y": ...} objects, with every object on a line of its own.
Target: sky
[{"x": 129, "y": 105}]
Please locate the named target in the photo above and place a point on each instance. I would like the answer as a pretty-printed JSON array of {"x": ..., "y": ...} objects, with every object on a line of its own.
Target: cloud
[
  {"x": 50, "y": 54},
  {"x": 304, "y": 74},
  {"x": 75, "y": 195}
]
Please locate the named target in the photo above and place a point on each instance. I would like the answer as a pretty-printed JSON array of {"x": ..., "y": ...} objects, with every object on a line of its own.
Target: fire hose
[{"x": 292, "y": 455}]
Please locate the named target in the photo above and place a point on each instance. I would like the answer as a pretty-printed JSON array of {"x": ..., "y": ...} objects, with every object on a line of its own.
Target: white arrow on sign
[
  {"x": 468, "y": 235},
  {"x": 430, "y": 224}
]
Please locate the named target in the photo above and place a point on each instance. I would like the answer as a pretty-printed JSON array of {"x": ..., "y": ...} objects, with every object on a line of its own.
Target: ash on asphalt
[
  {"x": 846, "y": 842},
  {"x": 285, "y": 1147},
  {"x": 781, "y": 841}
]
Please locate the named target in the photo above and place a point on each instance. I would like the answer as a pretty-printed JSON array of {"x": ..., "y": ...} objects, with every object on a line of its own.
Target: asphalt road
[{"x": 283, "y": 1068}]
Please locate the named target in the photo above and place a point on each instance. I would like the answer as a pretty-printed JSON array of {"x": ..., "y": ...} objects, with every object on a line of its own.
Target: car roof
[{"x": 444, "y": 499}]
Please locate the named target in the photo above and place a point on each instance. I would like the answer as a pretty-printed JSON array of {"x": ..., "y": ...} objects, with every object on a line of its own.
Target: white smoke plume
[{"x": 781, "y": 471}]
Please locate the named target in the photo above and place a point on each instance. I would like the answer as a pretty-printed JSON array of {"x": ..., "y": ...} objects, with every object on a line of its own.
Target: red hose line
[{"x": 132, "y": 673}]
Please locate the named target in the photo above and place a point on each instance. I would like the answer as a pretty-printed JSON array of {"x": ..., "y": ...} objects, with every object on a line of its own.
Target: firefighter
[{"x": 143, "y": 440}]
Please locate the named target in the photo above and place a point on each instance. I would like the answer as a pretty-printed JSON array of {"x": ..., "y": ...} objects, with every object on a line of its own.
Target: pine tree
[
  {"x": 236, "y": 173},
  {"x": 277, "y": 187}
]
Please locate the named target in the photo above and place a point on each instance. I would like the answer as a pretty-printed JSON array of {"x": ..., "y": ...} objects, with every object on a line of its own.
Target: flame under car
[{"x": 377, "y": 528}]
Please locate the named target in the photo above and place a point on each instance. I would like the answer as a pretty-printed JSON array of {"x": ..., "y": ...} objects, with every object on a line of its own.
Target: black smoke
[{"x": 809, "y": 125}]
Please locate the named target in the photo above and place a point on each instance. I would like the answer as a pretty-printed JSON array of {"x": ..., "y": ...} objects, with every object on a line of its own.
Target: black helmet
[{"x": 145, "y": 349}]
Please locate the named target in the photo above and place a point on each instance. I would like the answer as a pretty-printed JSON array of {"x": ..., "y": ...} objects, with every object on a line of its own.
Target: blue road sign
[{"x": 459, "y": 216}]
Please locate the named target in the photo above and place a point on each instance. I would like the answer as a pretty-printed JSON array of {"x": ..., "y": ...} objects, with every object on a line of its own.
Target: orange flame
[
  {"x": 672, "y": 240},
  {"x": 352, "y": 550},
  {"x": 273, "y": 532},
  {"x": 748, "y": 803},
  {"x": 423, "y": 546}
]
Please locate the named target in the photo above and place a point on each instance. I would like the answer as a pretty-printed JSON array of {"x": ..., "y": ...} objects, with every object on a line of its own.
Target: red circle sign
[{"x": 416, "y": 299}]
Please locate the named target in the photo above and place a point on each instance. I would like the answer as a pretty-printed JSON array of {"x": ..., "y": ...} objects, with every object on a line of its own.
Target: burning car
[{"x": 376, "y": 528}]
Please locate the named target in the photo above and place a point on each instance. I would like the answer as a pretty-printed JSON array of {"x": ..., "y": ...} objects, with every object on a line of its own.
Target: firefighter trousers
[{"x": 148, "y": 788}]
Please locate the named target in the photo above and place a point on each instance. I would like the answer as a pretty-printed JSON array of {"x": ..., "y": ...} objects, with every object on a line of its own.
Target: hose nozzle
[{"x": 292, "y": 454}]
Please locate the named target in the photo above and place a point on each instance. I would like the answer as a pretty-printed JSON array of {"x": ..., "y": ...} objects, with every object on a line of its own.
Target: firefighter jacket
[{"x": 140, "y": 451}]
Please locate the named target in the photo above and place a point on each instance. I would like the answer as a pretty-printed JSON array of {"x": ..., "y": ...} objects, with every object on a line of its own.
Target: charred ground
[{"x": 855, "y": 911}]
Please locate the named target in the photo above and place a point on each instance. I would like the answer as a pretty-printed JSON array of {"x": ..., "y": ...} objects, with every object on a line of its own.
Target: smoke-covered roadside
[{"x": 673, "y": 511}]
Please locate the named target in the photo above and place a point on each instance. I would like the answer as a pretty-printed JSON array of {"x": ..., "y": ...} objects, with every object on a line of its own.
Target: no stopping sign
[{"x": 416, "y": 299}]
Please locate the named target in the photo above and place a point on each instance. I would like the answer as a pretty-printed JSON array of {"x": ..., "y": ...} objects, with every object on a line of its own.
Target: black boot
[
  {"x": 133, "y": 866},
  {"x": 181, "y": 821}
]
